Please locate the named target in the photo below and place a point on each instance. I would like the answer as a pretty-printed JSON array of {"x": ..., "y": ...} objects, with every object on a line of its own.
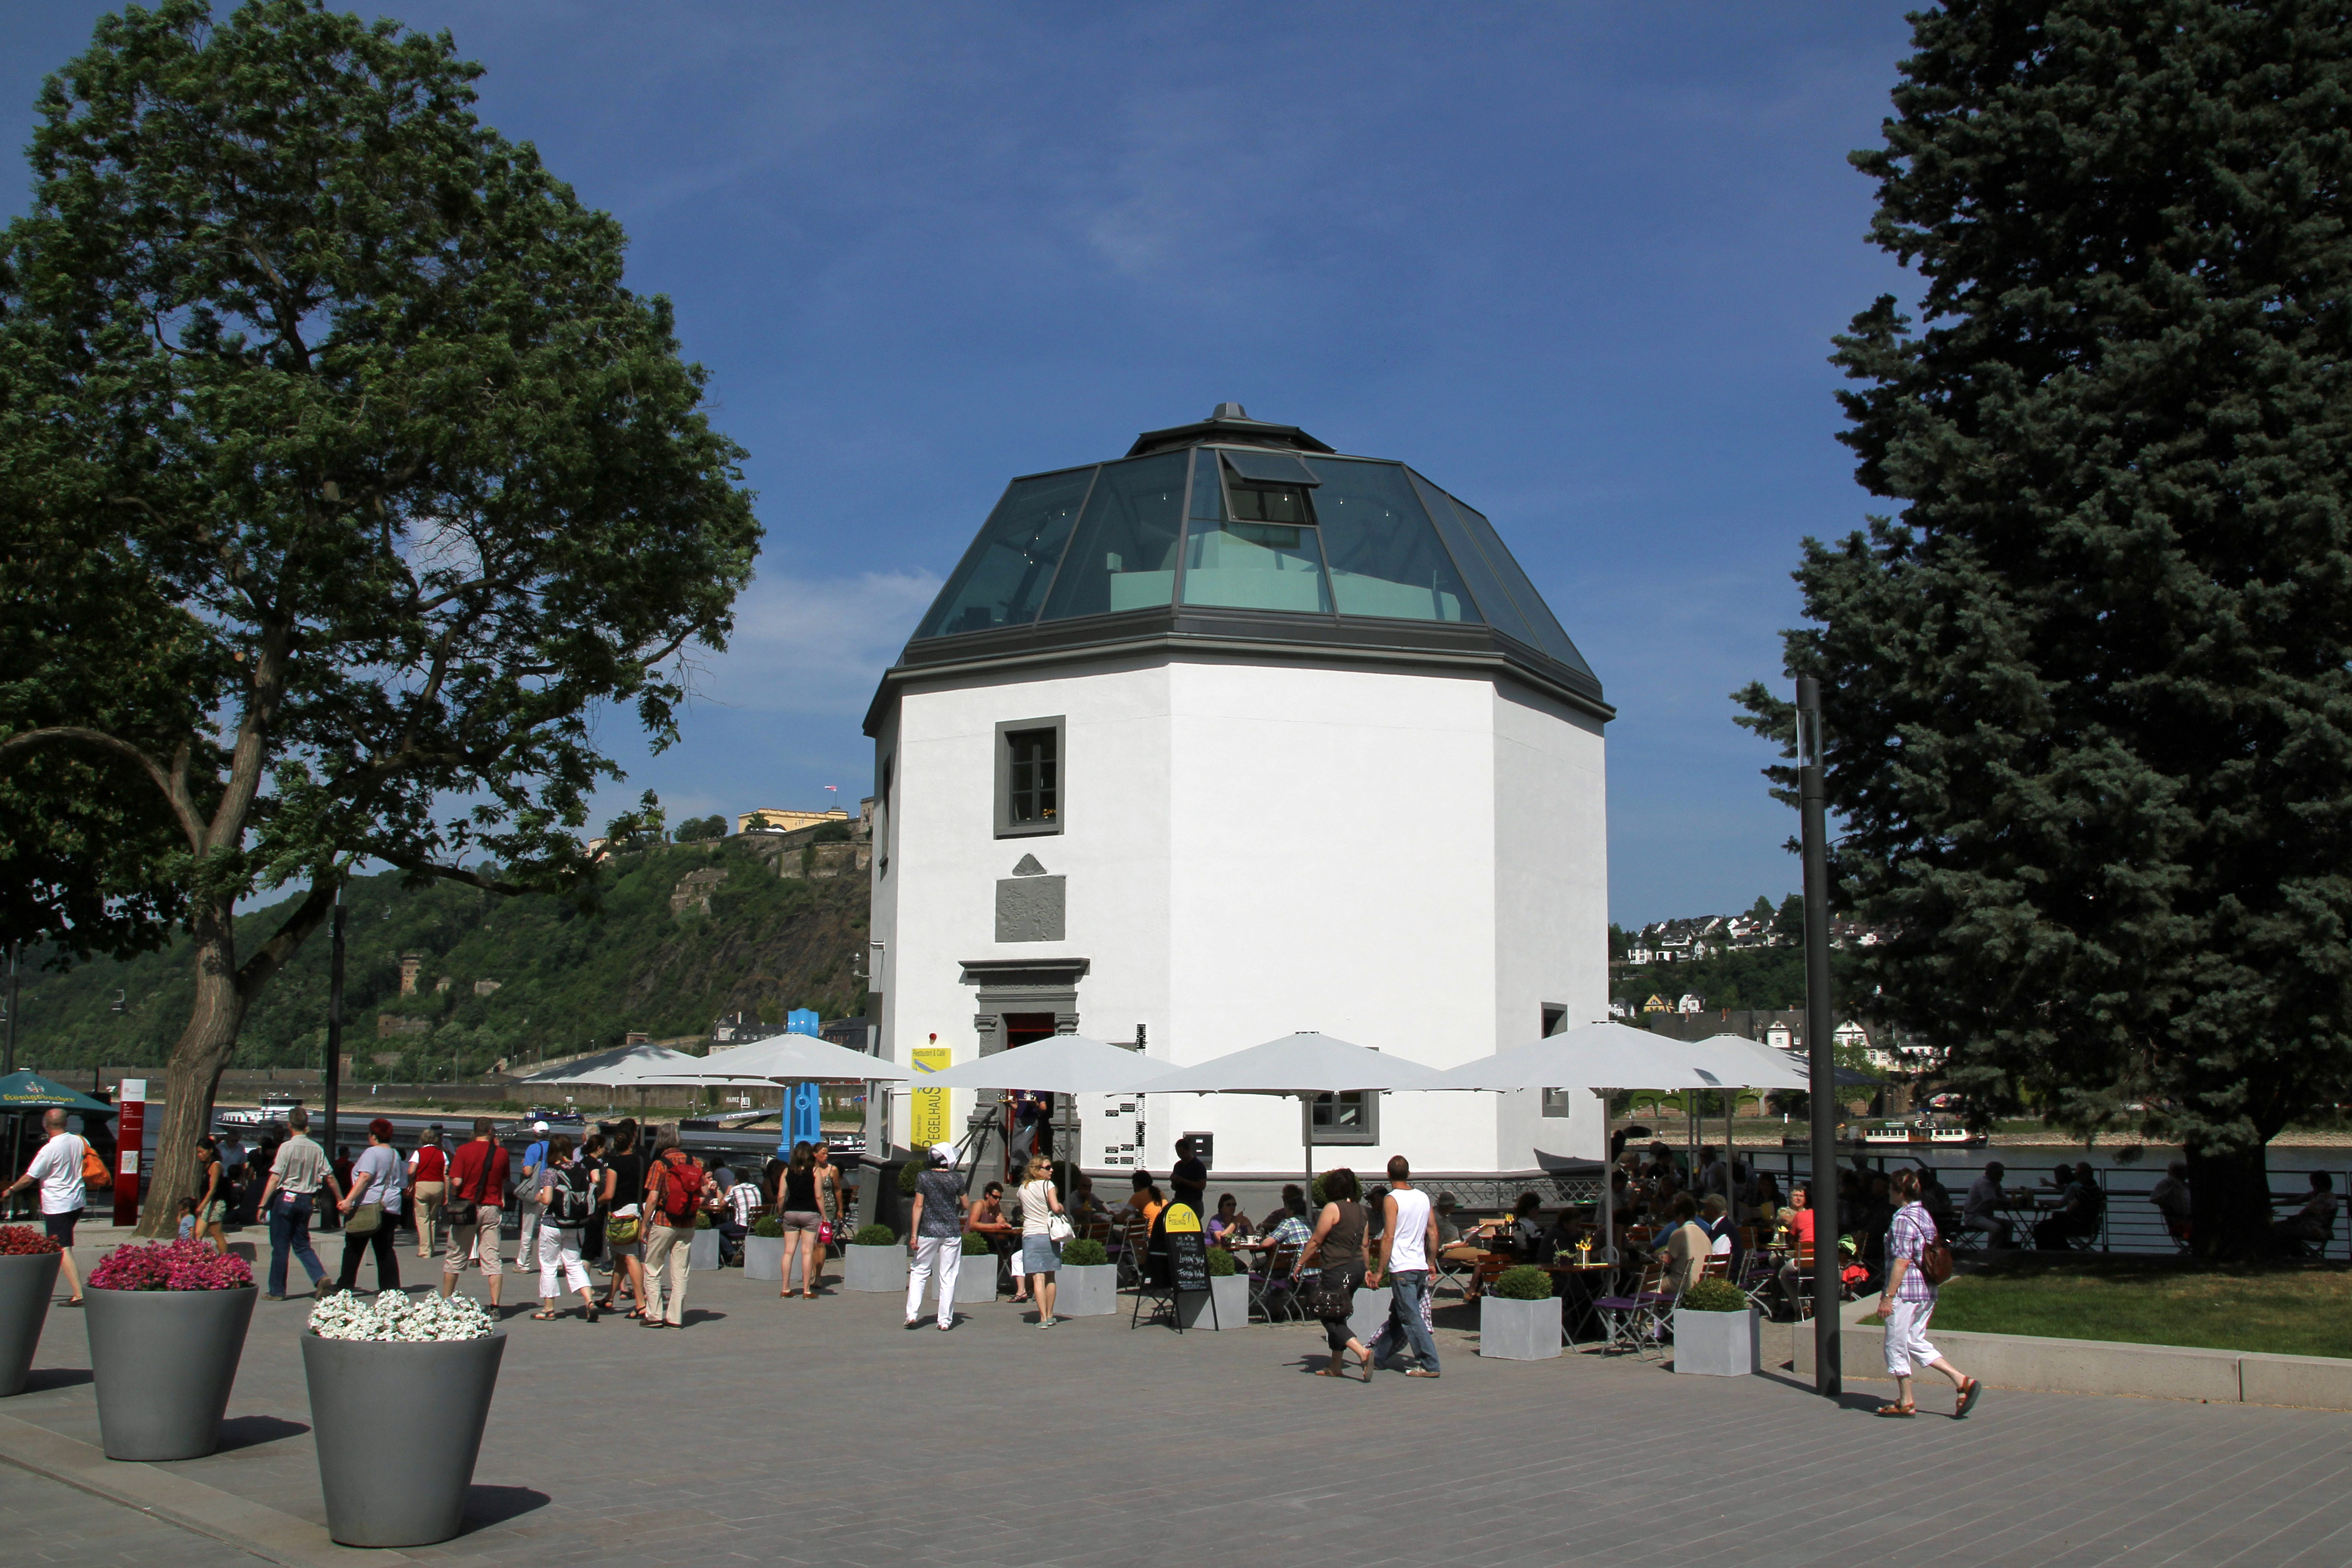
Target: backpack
[
  {"x": 1936, "y": 1259},
  {"x": 681, "y": 1191},
  {"x": 574, "y": 1199}
]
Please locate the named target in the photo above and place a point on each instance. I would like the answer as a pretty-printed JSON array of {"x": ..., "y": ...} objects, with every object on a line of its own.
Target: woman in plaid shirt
[{"x": 1909, "y": 1300}]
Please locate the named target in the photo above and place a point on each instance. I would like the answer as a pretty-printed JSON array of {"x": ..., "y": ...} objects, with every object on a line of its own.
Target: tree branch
[
  {"x": 424, "y": 868},
  {"x": 297, "y": 928},
  {"x": 171, "y": 781}
]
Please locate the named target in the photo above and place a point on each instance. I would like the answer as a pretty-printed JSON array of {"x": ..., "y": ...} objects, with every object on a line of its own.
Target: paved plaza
[{"x": 823, "y": 1433}]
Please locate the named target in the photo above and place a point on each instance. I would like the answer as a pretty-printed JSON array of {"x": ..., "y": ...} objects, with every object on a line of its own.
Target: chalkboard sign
[{"x": 1188, "y": 1249}]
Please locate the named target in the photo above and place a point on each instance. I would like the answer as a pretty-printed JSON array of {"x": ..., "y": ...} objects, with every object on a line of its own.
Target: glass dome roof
[{"x": 1235, "y": 529}]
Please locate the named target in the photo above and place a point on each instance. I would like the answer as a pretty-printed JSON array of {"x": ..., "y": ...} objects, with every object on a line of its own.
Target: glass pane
[
  {"x": 1123, "y": 556},
  {"x": 1003, "y": 576},
  {"x": 1484, "y": 585},
  {"x": 1035, "y": 788},
  {"x": 1340, "y": 1112},
  {"x": 1208, "y": 492},
  {"x": 1254, "y": 566},
  {"x": 1549, "y": 636},
  {"x": 1384, "y": 556},
  {"x": 1277, "y": 467}
]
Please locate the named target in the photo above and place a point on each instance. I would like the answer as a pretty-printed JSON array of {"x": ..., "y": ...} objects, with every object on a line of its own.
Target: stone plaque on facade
[{"x": 1029, "y": 909}]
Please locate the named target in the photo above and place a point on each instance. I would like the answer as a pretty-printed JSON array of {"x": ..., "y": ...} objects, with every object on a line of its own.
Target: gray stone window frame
[
  {"x": 1005, "y": 827},
  {"x": 1555, "y": 1019},
  {"x": 1368, "y": 1132}
]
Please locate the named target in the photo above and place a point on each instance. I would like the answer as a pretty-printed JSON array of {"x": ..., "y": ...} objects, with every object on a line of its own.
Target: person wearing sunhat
[{"x": 935, "y": 1237}]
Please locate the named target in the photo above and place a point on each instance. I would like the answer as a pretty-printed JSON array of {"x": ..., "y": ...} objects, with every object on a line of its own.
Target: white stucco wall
[{"x": 1412, "y": 861}]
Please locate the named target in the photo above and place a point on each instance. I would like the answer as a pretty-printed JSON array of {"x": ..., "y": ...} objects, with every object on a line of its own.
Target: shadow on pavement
[
  {"x": 42, "y": 1379},
  {"x": 486, "y": 1506},
  {"x": 252, "y": 1431}
]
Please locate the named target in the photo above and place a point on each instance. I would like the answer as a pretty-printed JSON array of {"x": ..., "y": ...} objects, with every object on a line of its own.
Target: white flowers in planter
[{"x": 393, "y": 1316}]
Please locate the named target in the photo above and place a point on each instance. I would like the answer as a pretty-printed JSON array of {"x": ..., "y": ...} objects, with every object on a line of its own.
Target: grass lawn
[{"x": 2288, "y": 1309}]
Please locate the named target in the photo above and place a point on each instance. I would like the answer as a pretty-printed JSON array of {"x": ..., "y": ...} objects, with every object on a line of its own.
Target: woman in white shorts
[{"x": 1909, "y": 1300}]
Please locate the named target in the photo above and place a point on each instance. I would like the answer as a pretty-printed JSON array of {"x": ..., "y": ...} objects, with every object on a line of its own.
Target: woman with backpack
[
  {"x": 1917, "y": 1261},
  {"x": 567, "y": 1198}
]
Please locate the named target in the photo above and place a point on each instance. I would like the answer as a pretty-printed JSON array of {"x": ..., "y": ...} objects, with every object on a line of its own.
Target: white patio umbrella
[
  {"x": 795, "y": 1059},
  {"x": 1305, "y": 1064},
  {"x": 1059, "y": 1064},
  {"x": 624, "y": 1065},
  {"x": 1609, "y": 1057}
]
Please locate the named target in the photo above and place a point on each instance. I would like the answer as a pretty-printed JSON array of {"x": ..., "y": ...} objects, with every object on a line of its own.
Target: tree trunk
[
  {"x": 193, "y": 1072},
  {"x": 2229, "y": 1201}
]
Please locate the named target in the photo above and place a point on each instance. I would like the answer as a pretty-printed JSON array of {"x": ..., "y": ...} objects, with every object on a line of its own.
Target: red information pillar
[{"x": 130, "y": 1146}]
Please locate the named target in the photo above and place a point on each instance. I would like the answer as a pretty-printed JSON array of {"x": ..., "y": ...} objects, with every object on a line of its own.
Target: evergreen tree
[
  {"x": 410, "y": 488},
  {"x": 2088, "y": 715}
]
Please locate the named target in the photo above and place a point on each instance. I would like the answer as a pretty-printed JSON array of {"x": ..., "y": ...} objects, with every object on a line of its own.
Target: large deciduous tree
[
  {"x": 2087, "y": 706},
  {"x": 386, "y": 485}
]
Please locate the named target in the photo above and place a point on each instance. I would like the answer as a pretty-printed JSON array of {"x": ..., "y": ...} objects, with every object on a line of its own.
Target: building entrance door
[{"x": 1029, "y": 1113}]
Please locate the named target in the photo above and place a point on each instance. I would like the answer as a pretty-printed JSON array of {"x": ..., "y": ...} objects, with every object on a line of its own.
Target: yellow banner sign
[
  {"x": 927, "y": 1117},
  {"x": 1177, "y": 1219}
]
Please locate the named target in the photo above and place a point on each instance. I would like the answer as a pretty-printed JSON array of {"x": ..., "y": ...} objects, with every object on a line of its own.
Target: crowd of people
[{"x": 622, "y": 1202}]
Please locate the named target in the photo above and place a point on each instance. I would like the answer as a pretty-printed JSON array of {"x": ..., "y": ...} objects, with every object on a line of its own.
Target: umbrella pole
[{"x": 1608, "y": 1189}]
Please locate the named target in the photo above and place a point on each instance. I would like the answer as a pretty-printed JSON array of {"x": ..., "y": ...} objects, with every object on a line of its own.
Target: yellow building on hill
[{"x": 774, "y": 819}]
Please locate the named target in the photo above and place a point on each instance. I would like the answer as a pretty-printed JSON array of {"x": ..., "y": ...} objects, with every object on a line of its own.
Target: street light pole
[
  {"x": 334, "y": 1021},
  {"x": 1828, "y": 1263}
]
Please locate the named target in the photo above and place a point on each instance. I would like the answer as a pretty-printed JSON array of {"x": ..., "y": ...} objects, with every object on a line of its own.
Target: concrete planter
[
  {"x": 763, "y": 1257},
  {"x": 1231, "y": 1297},
  {"x": 164, "y": 1362},
  {"x": 1085, "y": 1290},
  {"x": 976, "y": 1279},
  {"x": 1716, "y": 1344},
  {"x": 398, "y": 1493},
  {"x": 703, "y": 1252},
  {"x": 26, "y": 1283},
  {"x": 873, "y": 1268},
  {"x": 1519, "y": 1330}
]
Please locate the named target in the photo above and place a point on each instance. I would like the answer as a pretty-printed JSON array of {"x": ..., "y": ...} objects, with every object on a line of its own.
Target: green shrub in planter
[
  {"x": 1221, "y": 1264},
  {"x": 1525, "y": 1283},
  {"x": 874, "y": 1235},
  {"x": 705, "y": 1220},
  {"x": 768, "y": 1226},
  {"x": 975, "y": 1244},
  {"x": 1086, "y": 1252},
  {"x": 1713, "y": 1296},
  {"x": 917, "y": 1164}
]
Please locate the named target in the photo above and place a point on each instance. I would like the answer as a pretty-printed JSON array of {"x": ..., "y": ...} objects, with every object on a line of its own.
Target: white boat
[{"x": 272, "y": 1109}]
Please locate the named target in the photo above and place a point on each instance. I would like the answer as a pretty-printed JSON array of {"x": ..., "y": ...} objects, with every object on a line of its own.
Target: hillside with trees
[{"x": 565, "y": 981}]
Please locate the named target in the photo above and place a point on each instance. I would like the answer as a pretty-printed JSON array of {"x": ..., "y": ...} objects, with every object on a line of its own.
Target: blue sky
[{"x": 1579, "y": 264}]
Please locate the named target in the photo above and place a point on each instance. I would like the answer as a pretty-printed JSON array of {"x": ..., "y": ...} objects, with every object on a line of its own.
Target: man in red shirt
[
  {"x": 478, "y": 1192},
  {"x": 1799, "y": 1217}
]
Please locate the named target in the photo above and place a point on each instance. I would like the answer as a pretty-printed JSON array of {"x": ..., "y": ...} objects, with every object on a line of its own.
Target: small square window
[
  {"x": 1029, "y": 777},
  {"x": 1352, "y": 1117}
]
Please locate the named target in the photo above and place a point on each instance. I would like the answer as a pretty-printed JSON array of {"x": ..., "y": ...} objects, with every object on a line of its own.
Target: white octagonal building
[{"x": 1231, "y": 737}]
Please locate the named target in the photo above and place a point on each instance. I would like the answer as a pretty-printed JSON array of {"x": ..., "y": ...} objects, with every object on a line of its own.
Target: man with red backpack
[{"x": 677, "y": 1191}]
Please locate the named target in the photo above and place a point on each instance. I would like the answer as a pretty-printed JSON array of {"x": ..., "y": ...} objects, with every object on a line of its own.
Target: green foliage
[
  {"x": 875, "y": 1235},
  {"x": 1083, "y": 1252},
  {"x": 1523, "y": 1282},
  {"x": 768, "y": 1225},
  {"x": 832, "y": 833},
  {"x": 568, "y": 981},
  {"x": 705, "y": 1220},
  {"x": 698, "y": 829},
  {"x": 917, "y": 1162},
  {"x": 2086, "y": 702},
  {"x": 1759, "y": 978},
  {"x": 1713, "y": 1296},
  {"x": 1221, "y": 1265},
  {"x": 975, "y": 1244}
]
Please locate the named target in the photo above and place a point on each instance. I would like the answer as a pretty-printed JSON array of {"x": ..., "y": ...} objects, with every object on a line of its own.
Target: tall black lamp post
[{"x": 1828, "y": 1379}]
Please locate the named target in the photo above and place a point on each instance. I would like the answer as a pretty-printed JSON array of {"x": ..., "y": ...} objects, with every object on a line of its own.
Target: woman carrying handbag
[
  {"x": 1338, "y": 1248},
  {"x": 1043, "y": 1229}
]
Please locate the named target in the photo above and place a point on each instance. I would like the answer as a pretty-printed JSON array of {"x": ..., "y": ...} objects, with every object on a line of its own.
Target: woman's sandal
[
  {"x": 1969, "y": 1392},
  {"x": 543, "y": 1317},
  {"x": 1896, "y": 1410}
]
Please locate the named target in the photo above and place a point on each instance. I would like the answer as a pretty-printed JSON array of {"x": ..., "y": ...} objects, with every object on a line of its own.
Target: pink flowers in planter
[
  {"x": 24, "y": 1241},
  {"x": 171, "y": 1266}
]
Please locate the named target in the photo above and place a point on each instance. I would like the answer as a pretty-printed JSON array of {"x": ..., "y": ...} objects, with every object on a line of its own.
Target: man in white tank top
[{"x": 1408, "y": 1241}]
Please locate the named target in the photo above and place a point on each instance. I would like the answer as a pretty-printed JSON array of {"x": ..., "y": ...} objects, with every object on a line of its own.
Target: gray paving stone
[{"x": 783, "y": 1432}]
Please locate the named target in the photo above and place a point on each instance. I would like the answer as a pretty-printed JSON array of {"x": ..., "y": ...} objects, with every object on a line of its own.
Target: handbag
[
  {"x": 1334, "y": 1296},
  {"x": 621, "y": 1229},
  {"x": 94, "y": 1172},
  {"x": 1058, "y": 1229},
  {"x": 824, "y": 1233},
  {"x": 365, "y": 1220}
]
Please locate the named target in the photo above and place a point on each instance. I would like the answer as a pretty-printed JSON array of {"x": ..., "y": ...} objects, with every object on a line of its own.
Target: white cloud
[{"x": 815, "y": 646}]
